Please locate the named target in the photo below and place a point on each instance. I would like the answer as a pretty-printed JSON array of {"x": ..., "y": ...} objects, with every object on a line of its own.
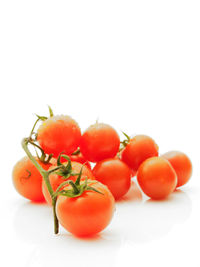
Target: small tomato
[
  {"x": 181, "y": 164},
  {"x": 27, "y": 179},
  {"x": 88, "y": 213},
  {"x": 157, "y": 178}
]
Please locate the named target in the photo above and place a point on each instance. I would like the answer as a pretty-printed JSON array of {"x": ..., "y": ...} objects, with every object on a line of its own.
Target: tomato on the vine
[
  {"x": 27, "y": 179},
  {"x": 138, "y": 149},
  {"x": 56, "y": 179},
  {"x": 181, "y": 164},
  {"x": 115, "y": 174},
  {"x": 157, "y": 177},
  {"x": 98, "y": 142},
  {"x": 88, "y": 213},
  {"x": 59, "y": 134}
]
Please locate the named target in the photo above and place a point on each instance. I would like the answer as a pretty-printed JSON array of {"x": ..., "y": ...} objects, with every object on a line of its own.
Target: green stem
[
  {"x": 56, "y": 224},
  {"x": 34, "y": 127},
  {"x": 45, "y": 175}
]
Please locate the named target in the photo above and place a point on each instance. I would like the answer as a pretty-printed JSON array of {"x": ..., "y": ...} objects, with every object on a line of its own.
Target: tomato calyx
[
  {"x": 65, "y": 170},
  {"x": 77, "y": 188},
  {"x": 125, "y": 142},
  {"x": 43, "y": 118}
]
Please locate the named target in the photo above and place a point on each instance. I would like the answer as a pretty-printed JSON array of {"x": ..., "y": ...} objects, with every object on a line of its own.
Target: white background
[{"x": 132, "y": 64}]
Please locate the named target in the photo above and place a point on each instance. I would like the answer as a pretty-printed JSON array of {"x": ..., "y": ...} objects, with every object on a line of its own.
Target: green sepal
[
  {"x": 79, "y": 176},
  {"x": 76, "y": 191},
  {"x": 93, "y": 189},
  {"x": 66, "y": 170},
  {"x": 69, "y": 193},
  {"x": 42, "y": 118},
  {"x": 50, "y": 111},
  {"x": 60, "y": 186},
  {"x": 76, "y": 152},
  {"x": 127, "y": 136},
  {"x": 125, "y": 142},
  {"x": 62, "y": 173}
]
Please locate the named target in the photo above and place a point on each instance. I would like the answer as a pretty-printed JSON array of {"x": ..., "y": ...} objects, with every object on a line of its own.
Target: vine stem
[{"x": 45, "y": 175}]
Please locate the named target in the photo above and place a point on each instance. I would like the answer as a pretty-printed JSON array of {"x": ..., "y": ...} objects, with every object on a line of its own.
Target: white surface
[{"x": 132, "y": 64}]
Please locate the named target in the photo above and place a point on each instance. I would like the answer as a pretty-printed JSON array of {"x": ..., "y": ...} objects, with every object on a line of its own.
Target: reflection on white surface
[
  {"x": 137, "y": 221},
  {"x": 32, "y": 222},
  {"x": 144, "y": 221}
]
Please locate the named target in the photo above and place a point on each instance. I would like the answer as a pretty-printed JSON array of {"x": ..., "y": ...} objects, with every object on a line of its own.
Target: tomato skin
[
  {"x": 59, "y": 134},
  {"x": 29, "y": 187},
  {"x": 140, "y": 148},
  {"x": 99, "y": 141},
  {"x": 56, "y": 180},
  {"x": 181, "y": 164},
  {"x": 115, "y": 174},
  {"x": 87, "y": 214},
  {"x": 157, "y": 178}
]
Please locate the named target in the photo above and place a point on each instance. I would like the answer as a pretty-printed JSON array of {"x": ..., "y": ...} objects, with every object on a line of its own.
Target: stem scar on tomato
[{"x": 26, "y": 177}]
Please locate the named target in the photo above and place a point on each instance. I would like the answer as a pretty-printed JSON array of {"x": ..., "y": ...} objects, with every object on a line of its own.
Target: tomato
[
  {"x": 87, "y": 214},
  {"x": 139, "y": 148},
  {"x": 27, "y": 179},
  {"x": 56, "y": 180},
  {"x": 59, "y": 134},
  {"x": 98, "y": 142},
  {"x": 115, "y": 174},
  {"x": 181, "y": 164},
  {"x": 157, "y": 177}
]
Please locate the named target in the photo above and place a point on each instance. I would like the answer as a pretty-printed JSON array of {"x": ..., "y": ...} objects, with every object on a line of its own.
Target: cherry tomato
[
  {"x": 157, "y": 177},
  {"x": 115, "y": 174},
  {"x": 56, "y": 180},
  {"x": 87, "y": 214},
  {"x": 59, "y": 134},
  {"x": 98, "y": 142},
  {"x": 27, "y": 179},
  {"x": 140, "y": 148},
  {"x": 181, "y": 164}
]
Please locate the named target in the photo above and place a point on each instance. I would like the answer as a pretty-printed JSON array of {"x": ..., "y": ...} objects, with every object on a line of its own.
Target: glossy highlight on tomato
[
  {"x": 87, "y": 214},
  {"x": 157, "y": 178},
  {"x": 27, "y": 179},
  {"x": 59, "y": 134},
  {"x": 115, "y": 174},
  {"x": 181, "y": 164},
  {"x": 98, "y": 142}
]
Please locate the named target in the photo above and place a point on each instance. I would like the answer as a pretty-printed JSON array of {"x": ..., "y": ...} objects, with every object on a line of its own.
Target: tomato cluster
[{"x": 83, "y": 198}]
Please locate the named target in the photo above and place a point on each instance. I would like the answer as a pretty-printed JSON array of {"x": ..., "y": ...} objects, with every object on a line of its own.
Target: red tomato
[
  {"x": 140, "y": 148},
  {"x": 157, "y": 177},
  {"x": 27, "y": 179},
  {"x": 87, "y": 214},
  {"x": 59, "y": 134},
  {"x": 56, "y": 180},
  {"x": 99, "y": 141},
  {"x": 181, "y": 164},
  {"x": 115, "y": 174}
]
